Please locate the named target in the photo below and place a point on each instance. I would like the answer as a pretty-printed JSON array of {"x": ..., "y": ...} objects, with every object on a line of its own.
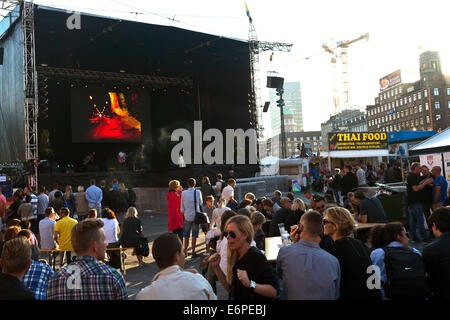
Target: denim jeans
[
  {"x": 188, "y": 225},
  {"x": 416, "y": 217}
]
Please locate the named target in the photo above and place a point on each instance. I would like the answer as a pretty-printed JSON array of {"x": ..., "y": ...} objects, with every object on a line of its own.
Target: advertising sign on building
[
  {"x": 390, "y": 80},
  {"x": 357, "y": 141}
]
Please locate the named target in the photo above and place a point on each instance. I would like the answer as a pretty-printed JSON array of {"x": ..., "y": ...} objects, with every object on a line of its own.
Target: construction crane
[
  {"x": 343, "y": 56},
  {"x": 255, "y": 48}
]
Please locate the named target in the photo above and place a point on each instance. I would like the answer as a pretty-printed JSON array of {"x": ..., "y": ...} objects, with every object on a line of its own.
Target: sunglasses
[
  {"x": 325, "y": 221},
  {"x": 321, "y": 207},
  {"x": 231, "y": 233}
]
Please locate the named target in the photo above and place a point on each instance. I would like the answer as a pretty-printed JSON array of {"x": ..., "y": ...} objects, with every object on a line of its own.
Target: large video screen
[{"x": 101, "y": 115}]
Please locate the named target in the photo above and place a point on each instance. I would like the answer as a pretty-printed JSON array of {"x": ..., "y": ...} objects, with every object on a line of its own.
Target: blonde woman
[
  {"x": 69, "y": 200},
  {"x": 131, "y": 235},
  {"x": 249, "y": 274},
  {"x": 214, "y": 230},
  {"x": 352, "y": 254}
]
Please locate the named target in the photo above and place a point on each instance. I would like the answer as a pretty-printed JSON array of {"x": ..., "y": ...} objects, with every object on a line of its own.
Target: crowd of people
[
  {"x": 324, "y": 261},
  {"x": 87, "y": 224}
]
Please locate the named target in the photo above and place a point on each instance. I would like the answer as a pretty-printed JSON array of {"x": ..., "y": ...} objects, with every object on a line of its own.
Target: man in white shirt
[
  {"x": 228, "y": 191},
  {"x": 172, "y": 282},
  {"x": 47, "y": 230},
  {"x": 188, "y": 209}
]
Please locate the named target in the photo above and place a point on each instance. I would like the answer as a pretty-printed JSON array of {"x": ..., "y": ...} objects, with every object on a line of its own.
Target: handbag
[
  {"x": 200, "y": 217},
  {"x": 145, "y": 250}
]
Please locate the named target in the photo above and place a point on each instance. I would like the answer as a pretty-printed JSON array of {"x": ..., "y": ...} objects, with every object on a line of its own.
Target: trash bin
[{"x": 395, "y": 205}]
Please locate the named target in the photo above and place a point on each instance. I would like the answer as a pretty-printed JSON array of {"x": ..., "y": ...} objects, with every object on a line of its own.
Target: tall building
[
  {"x": 293, "y": 106},
  {"x": 421, "y": 105},
  {"x": 345, "y": 121}
]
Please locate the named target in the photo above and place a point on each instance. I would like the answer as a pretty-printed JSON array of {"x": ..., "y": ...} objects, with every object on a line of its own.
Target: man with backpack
[{"x": 402, "y": 269}]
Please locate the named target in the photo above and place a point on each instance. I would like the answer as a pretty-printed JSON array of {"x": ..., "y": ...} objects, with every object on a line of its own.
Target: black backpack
[{"x": 406, "y": 275}]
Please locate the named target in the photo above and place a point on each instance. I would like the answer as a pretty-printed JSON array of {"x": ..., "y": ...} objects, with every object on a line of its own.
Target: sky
[{"x": 399, "y": 31}]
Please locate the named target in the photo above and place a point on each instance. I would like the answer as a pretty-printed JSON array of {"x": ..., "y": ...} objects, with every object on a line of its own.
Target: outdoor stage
[{"x": 121, "y": 86}]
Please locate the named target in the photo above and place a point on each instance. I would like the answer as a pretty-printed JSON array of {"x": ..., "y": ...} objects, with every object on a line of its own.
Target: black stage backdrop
[{"x": 218, "y": 67}]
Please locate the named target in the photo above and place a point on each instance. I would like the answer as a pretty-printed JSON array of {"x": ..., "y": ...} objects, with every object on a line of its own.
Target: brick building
[{"x": 421, "y": 105}]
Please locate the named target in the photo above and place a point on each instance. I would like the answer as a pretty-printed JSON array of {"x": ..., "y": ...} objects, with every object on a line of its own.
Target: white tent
[
  {"x": 269, "y": 166},
  {"x": 436, "y": 144}
]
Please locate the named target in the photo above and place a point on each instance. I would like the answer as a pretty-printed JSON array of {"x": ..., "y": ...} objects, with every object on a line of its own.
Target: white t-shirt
[
  {"x": 222, "y": 249},
  {"x": 110, "y": 228},
  {"x": 47, "y": 233},
  {"x": 218, "y": 188},
  {"x": 173, "y": 283},
  {"x": 227, "y": 193}
]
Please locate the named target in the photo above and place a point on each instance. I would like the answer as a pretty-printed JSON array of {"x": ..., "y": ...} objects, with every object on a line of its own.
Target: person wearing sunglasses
[
  {"x": 318, "y": 204},
  {"x": 352, "y": 254},
  {"x": 308, "y": 272},
  {"x": 249, "y": 274}
]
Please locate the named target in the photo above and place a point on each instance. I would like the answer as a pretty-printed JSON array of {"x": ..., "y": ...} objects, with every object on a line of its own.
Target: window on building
[
  {"x": 421, "y": 121},
  {"x": 420, "y": 108},
  {"x": 400, "y": 90},
  {"x": 414, "y": 97},
  {"x": 448, "y": 104},
  {"x": 428, "y": 119},
  {"x": 396, "y": 91},
  {"x": 396, "y": 103},
  {"x": 436, "y": 91},
  {"x": 405, "y": 100},
  {"x": 419, "y": 95},
  {"x": 415, "y": 109},
  {"x": 416, "y": 121},
  {"x": 406, "y": 112},
  {"x": 426, "y": 106},
  {"x": 307, "y": 138},
  {"x": 409, "y": 98},
  {"x": 437, "y": 105},
  {"x": 438, "y": 116},
  {"x": 425, "y": 93},
  {"x": 448, "y": 91}
]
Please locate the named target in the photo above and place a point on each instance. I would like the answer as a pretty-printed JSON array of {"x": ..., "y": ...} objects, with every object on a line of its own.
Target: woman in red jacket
[{"x": 175, "y": 216}]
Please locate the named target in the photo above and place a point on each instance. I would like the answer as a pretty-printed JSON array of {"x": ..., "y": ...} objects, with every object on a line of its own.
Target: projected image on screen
[{"x": 106, "y": 115}]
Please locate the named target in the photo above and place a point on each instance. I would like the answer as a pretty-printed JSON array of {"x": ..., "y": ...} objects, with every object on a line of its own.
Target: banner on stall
[
  {"x": 431, "y": 160},
  {"x": 447, "y": 167}
]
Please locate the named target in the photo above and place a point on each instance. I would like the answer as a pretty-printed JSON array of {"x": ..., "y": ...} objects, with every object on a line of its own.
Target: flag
[{"x": 248, "y": 12}]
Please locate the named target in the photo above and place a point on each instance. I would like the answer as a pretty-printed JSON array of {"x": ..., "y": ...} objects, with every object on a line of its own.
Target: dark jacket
[
  {"x": 260, "y": 239},
  {"x": 391, "y": 176},
  {"x": 349, "y": 183},
  {"x": 207, "y": 190},
  {"x": 279, "y": 217},
  {"x": 354, "y": 260},
  {"x": 336, "y": 184},
  {"x": 120, "y": 201},
  {"x": 437, "y": 262}
]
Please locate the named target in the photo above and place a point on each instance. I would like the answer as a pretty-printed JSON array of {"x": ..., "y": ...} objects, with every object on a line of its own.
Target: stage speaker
[
  {"x": 275, "y": 82},
  {"x": 2, "y": 50},
  {"x": 266, "y": 106}
]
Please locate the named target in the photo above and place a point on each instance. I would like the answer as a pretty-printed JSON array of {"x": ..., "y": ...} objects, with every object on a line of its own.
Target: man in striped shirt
[{"x": 87, "y": 278}]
